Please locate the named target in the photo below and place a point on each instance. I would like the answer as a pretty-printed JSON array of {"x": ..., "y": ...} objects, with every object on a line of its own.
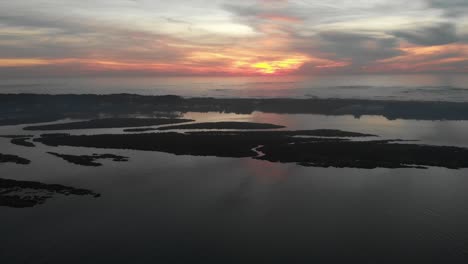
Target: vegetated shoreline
[
  {"x": 210, "y": 126},
  {"x": 88, "y": 160},
  {"x": 280, "y": 146},
  {"x": 20, "y": 140},
  {"x": 7, "y": 158},
  {"x": 37, "y": 193},
  {"x": 109, "y": 123},
  {"x": 38, "y": 108},
  {"x": 222, "y": 125}
]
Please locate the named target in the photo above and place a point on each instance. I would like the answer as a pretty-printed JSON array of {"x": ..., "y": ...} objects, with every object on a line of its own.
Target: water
[
  {"x": 165, "y": 208},
  {"x": 382, "y": 87}
]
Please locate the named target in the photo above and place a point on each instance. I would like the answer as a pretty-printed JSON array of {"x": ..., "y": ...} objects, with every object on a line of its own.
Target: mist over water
[{"x": 418, "y": 87}]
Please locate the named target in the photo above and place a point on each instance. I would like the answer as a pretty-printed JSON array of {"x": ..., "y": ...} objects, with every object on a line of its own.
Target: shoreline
[{"x": 37, "y": 108}]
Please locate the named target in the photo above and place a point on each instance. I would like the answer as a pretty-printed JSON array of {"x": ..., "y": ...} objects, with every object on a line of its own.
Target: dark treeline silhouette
[
  {"x": 34, "y": 108},
  {"x": 12, "y": 192},
  {"x": 89, "y": 160},
  {"x": 280, "y": 146},
  {"x": 223, "y": 125},
  {"x": 20, "y": 140},
  {"x": 7, "y": 158},
  {"x": 110, "y": 123}
]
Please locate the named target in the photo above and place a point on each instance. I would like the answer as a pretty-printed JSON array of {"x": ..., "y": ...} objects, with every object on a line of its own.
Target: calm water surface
[
  {"x": 162, "y": 208},
  {"x": 382, "y": 87}
]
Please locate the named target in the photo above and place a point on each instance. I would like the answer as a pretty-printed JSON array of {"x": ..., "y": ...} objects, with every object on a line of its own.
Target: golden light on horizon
[
  {"x": 22, "y": 62},
  {"x": 261, "y": 37},
  {"x": 285, "y": 65}
]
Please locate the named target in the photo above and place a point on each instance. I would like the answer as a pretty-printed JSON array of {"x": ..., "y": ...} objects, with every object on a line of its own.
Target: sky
[{"x": 238, "y": 38}]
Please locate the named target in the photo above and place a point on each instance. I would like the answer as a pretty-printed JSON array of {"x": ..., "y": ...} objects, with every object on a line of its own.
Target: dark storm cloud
[
  {"x": 439, "y": 34},
  {"x": 361, "y": 49},
  {"x": 347, "y": 52},
  {"x": 452, "y": 7}
]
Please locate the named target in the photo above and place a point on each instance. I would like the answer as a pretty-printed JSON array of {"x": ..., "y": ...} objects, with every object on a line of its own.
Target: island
[
  {"x": 89, "y": 160},
  {"x": 22, "y": 194},
  {"x": 306, "y": 148},
  {"x": 4, "y": 158},
  {"x": 109, "y": 123}
]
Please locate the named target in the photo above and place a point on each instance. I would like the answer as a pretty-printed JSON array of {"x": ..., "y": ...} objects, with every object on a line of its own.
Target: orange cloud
[
  {"x": 230, "y": 62},
  {"x": 22, "y": 62},
  {"x": 254, "y": 59}
]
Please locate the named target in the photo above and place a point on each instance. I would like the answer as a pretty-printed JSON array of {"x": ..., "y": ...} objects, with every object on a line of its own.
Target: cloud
[
  {"x": 225, "y": 37},
  {"x": 451, "y": 7},
  {"x": 443, "y": 58},
  {"x": 438, "y": 34},
  {"x": 360, "y": 49}
]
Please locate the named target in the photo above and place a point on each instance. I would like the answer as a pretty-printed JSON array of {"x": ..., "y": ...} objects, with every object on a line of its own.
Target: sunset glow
[
  {"x": 286, "y": 65},
  {"x": 223, "y": 38}
]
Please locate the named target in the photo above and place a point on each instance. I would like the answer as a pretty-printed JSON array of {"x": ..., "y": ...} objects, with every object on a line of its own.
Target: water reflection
[
  {"x": 284, "y": 120},
  {"x": 182, "y": 209},
  {"x": 266, "y": 172}
]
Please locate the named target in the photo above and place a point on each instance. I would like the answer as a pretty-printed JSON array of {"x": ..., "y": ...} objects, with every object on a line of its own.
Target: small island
[
  {"x": 89, "y": 160},
  {"x": 22, "y": 194},
  {"x": 109, "y": 123},
  {"x": 223, "y": 125},
  {"x": 4, "y": 158},
  {"x": 22, "y": 142}
]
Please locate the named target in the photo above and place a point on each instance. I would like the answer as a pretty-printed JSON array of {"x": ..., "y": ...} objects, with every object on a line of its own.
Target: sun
[{"x": 277, "y": 66}]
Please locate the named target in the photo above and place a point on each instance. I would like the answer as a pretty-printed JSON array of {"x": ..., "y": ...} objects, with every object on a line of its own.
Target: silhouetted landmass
[
  {"x": 16, "y": 136},
  {"x": 21, "y": 194},
  {"x": 229, "y": 144},
  {"x": 29, "y": 118},
  {"x": 331, "y": 133},
  {"x": 223, "y": 125},
  {"x": 280, "y": 146},
  {"x": 109, "y": 123},
  {"x": 87, "y": 160},
  {"x": 22, "y": 142},
  {"x": 4, "y": 158},
  {"x": 366, "y": 155},
  {"x": 55, "y": 134},
  {"x": 34, "y": 108},
  {"x": 210, "y": 125}
]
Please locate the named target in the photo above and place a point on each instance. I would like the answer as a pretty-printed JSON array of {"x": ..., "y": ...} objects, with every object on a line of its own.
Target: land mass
[
  {"x": 223, "y": 125},
  {"x": 34, "y": 108},
  {"x": 16, "y": 136},
  {"x": 22, "y": 142},
  {"x": 211, "y": 125},
  {"x": 89, "y": 160},
  {"x": 22, "y": 194},
  {"x": 301, "y": 147},
  {"x": 4, "y": 158},
  {"x": 109, "y": 123}
]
